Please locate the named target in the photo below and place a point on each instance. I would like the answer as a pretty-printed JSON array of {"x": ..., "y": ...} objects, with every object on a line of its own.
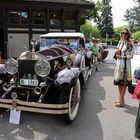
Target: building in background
[{"x": 21, "y": 20}]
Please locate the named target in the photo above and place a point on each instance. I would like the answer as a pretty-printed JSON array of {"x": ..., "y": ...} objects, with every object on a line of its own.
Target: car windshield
[
  {"x": 137, "y": 49},
  {"x": 49, "y": 42}
]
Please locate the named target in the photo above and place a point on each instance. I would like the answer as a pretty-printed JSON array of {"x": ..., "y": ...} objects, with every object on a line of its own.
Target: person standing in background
[
  {"x": 122, "y": 73},
  {"x": 100, "y": 51},
  {"x": 95, "y": 51}
]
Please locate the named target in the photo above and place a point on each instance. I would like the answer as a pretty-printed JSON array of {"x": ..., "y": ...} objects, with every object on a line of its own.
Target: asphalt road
[{"x": 97, "y": 119}]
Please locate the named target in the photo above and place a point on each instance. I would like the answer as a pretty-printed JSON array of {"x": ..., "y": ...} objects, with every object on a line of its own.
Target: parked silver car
[{"x": 135, "y": 65}]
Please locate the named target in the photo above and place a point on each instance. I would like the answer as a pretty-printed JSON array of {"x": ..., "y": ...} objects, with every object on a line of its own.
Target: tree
[
  {"x": 105, "y": 20},
  {"x": 101, "y": 14},
  {"x": 89, "y": 31},
  {"x": 132, "y": 16},
  {"x": 92, "y": 14}
]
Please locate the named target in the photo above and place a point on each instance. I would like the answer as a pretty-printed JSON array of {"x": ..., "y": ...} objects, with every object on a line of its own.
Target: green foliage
[
  {"x": 118, "y": 30},
  {"x": 136, "y": 35},
  {"x": 90, "y": 14},
  {"x": 110, "y": 41},
  {"x": 114, "y": 41},
  {"x": 132, "y": 16},
  {"x": 89, "y": 31}
]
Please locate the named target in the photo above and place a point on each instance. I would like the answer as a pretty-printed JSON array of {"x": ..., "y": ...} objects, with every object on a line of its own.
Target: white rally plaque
[{"x": 14, "y": 116}]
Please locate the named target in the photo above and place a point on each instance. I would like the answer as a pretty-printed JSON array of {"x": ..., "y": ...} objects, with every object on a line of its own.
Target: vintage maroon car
[
  {"x": 4, "y": 76},
  {"x": 49, "y": 80}
]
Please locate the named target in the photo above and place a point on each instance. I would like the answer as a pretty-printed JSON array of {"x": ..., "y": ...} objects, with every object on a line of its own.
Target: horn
[
  {"x": 37, "y": 90},
  {"x": 6, "y": 87}
]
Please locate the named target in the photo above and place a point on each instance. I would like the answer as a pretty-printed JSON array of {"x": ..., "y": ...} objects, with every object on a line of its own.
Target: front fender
[
  {"x": 67, "y": 78},
  {"x": 2, "y": 69}
]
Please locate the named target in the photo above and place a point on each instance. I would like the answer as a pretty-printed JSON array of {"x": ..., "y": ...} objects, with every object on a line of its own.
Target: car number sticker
[{"x": 14, "y": 116}]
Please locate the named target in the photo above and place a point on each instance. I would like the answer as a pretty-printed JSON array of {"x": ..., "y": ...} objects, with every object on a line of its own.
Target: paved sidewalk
[{"x": 117, "y": 123}]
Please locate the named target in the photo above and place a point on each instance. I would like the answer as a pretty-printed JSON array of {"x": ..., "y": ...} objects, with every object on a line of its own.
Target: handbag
[
  {"x": 136, "y": 93},
  {"x": 114, "y": 57},
  {"x": 117, "y": 51}
]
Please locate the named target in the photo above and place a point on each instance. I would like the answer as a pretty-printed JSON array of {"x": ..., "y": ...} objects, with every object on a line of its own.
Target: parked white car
[{"x": 135, "y": 65}]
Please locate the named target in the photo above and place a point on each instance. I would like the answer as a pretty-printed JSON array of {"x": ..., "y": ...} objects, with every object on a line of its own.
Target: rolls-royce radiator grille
[{"x": 26, "y": 73}]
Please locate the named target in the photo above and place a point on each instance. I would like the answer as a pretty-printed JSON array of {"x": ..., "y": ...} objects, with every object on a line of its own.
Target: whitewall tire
[{"x": 74, "y": 101}]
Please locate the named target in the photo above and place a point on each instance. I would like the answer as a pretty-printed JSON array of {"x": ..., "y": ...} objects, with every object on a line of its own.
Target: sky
[{"x": 118, "y": 9}]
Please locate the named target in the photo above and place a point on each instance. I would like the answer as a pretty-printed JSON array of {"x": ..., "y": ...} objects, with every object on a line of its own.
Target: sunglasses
[{"x": 125, "y": 33}]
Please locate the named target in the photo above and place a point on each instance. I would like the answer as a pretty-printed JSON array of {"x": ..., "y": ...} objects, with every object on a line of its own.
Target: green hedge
[{"x": 111, "y": 41}]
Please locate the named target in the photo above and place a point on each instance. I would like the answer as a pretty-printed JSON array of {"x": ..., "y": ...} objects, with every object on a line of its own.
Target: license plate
[{"x": 28, "y": 82}]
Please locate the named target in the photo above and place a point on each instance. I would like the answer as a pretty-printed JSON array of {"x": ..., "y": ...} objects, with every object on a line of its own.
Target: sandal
[
  {"x": 119, "y": 104},
  {"x": 117, "y": 100}
]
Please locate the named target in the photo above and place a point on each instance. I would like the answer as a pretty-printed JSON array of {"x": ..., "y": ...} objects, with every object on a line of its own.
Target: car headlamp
[
  {"x": 42, "y": 68},
  {"x": 11, "y": 66}
]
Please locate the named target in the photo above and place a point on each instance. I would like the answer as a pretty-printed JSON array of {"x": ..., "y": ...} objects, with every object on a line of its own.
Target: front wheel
[{"x": 74, "y": 101}]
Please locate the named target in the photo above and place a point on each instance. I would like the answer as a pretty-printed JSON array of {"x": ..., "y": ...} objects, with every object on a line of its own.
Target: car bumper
[{"x": 35, "y": 107}]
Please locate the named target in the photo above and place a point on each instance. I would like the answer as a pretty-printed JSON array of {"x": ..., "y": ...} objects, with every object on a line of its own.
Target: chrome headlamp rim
[
  {"x": 42, "y": 68},
  {"x": 11, "y": 66}
]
